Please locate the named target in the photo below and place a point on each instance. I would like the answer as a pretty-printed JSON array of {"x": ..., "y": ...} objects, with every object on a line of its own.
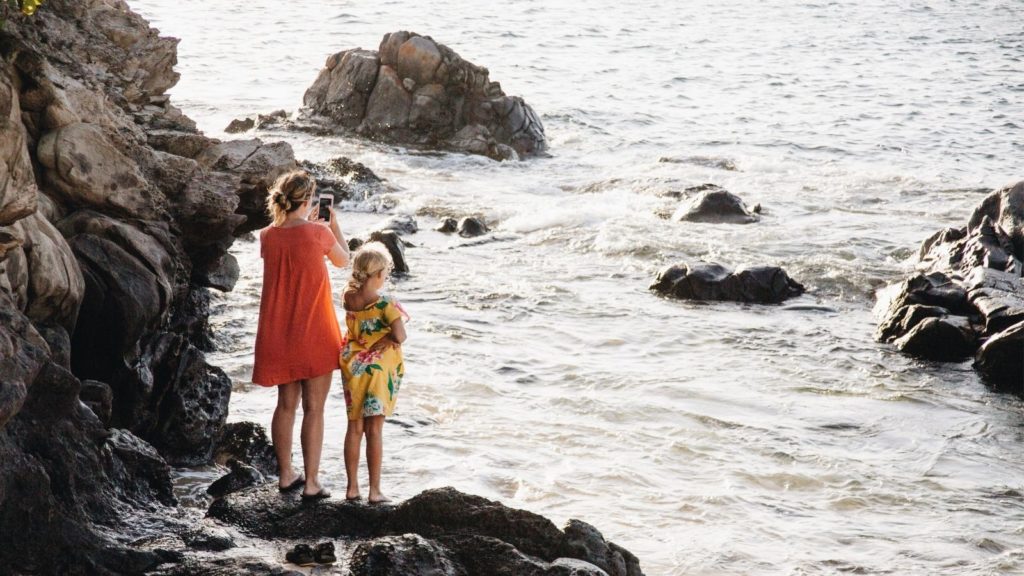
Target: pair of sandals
[
  {"x": 306, "y": 555},
  {"x": 299, "y": 482}
]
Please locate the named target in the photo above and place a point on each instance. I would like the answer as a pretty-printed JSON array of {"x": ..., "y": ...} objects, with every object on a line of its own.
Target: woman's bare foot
[
  {"x": 376, "y": 497},
  {"x": 290, "y": 481},
  {"x": 352, "y": 493},
  {"x": 312, "y": 488}
]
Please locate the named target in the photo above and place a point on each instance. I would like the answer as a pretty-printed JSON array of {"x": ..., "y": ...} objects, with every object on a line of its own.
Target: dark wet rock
[
  {"x": 354, "y": 244},
  {"x": 99, "y": 398},
  {"x": 1001, "y": 359},
  {"x": 240, "y": 125},
  {"x": 400, "y": 224},
  {"x": 223, "y": 276},
  {"x": 240, "y": 477},
  {"x": 470, "y": 227},
  {"x": 975, "y": 274},
  {"x": 208, "y": 538},
  {"x": 944, "y": 338},
  {"x": 345, "y": 179},
  {"x": 710, "y": 281},
  {"x": 416, "y": 91},
  {"x": 716, "y": 206},
  {"x": 267, "y": 121},
  {"x": 447, "y": 226},
  {"x": 393, "y": 243},
  {"x": 245, "y": 442},
  {"x": 441, "y": 529},
  {"x": 141, "y": 469},
  {"x": 406, "y": 554},
  {"x": 707, "y": 161}
]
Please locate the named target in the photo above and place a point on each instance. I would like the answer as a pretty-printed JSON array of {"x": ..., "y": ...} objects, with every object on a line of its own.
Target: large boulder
[
  {"x": 711, "y": 281},
  {"x": 413, "y": 90}
]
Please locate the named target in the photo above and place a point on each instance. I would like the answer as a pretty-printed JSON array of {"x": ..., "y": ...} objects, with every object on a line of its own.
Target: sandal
[
  {"x": 301, "y": 554},
  {"x": 298, "y": 482},
  {"x": 324, "y": 553},
  {"x": 323, "y": 494}
]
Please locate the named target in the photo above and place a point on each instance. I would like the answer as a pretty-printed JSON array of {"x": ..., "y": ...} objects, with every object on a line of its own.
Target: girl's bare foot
[{"x": 377, "y": 498}]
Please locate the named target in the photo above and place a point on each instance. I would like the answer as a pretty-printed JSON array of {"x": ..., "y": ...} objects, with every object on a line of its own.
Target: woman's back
[{"x": 298, "y": 335}]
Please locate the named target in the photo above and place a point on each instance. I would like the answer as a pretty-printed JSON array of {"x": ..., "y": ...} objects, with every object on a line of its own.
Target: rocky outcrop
[
  {"x": 468, "y": 227},
  {"x": 413, "y": 90},
  {"x": 710, "y": 281},
  {"x": 440, "y": 531},
  {"x": 966, "y": 298}
]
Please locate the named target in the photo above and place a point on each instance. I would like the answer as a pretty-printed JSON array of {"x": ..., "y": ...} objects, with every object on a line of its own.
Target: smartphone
[{"x": 326, "y": 203}]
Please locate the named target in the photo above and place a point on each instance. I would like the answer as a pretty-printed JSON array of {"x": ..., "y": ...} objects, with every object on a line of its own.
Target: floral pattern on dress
[{"x": 372, "y": 378}]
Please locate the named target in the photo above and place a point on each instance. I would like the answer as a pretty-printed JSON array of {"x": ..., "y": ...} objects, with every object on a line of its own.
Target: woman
[{"x": 298, "y": 337}]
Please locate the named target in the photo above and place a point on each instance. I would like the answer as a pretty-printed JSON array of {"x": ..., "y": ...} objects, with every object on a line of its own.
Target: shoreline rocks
[
  {"x": 711, "y": 281},
  {"x": 718, "y": 206},
  {"x": 413, "y": 90},
  {"x": 436, "y": 529},
  {"x": 967, "y": 298}
]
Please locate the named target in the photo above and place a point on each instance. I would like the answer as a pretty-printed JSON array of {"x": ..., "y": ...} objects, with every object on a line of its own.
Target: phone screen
[{"x": 326, "y": 202}]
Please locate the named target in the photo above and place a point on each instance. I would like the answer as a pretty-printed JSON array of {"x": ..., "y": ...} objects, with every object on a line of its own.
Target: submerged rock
[
  {"x": 240, "y": 477},
  {"x": 716, "y": 206},
  {"x": 470, "y": 227},
  {"x": 710, "y": 281},
  {"x": 413, "y": 90},
  {"x": 393, "y": 243},
  {"x": 968, "y": 296}
]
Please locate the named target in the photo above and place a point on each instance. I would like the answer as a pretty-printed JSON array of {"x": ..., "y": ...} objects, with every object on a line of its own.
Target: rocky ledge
[
  {"x": 413, "y": 90},
  {"x": 440, "y": 531},
  {"x": 966, "y": 298}
]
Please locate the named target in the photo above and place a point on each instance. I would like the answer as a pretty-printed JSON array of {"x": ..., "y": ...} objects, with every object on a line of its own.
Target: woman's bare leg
[
  {"x": 353, "y": 439},
  {"x": 374, "y": 455},
  {"x": 314, "y": 395},
  {"x": 281, "y": 427}
]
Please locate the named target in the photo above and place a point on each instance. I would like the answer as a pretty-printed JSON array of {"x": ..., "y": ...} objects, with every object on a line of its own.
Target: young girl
[{"x": 371, "y": 363}]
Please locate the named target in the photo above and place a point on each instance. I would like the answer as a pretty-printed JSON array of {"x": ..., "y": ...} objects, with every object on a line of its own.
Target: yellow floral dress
[{"x": 371, "y": 377}]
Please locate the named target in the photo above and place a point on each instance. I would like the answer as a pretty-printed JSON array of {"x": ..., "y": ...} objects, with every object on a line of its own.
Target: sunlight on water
[{"x": 705, "y": 438}]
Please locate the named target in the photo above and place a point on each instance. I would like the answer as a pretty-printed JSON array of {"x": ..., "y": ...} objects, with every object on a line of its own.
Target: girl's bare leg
[
  {"x": 314, "y": 395},
  {"x": 353, "y": 438},
  {"x": 374, "y": 455},
  {"x": 281, "y": 428}
]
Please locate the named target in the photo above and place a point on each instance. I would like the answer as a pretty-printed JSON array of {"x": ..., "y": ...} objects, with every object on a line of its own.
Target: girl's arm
[{"x": 398, "y": 331}]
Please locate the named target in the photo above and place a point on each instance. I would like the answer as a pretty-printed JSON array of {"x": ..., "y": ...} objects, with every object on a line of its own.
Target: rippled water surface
[{"x": 705, "y": 438}]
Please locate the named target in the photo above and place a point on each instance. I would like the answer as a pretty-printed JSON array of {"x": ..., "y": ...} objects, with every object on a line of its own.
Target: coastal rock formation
[
  {"x": 710, "y": 281},
  {"x": 413, "y": 90},
  {"x": 718, "y": 206},
  {"x": 442, "y": 530},
  {"x": 468, "y": 227},
  {"x": 967, "y": 297}
]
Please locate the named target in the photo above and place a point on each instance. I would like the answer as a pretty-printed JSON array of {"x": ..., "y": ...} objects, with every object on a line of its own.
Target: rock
[
  {"x": 416, "y": 91},
  {"x": 240, "y": 477},
  {"x": 265, "y": 121},
  {"x": 905, "y": 318},
  {"x": 88, "y": 171},
  {"x": 470, "y": 227},
  {"x": 393, "y": 243},
  {"x": 142, "y": 471},
  {"x": 55, "y": 287},
  {"x": 998, "y": 296},
  {"x": 408, "y": 554},
  {"x": 245, "y": 442},
  {"x": 938, "y": 338},
  {"x": 18, "y": 191},
  {"x": 716, "y": 206},
  {"x": 209, "y": 538},
  {"x": 448, "y": 225},
  {"x": 224, "y": 276},
  {"x": 1000, "y": 360},
  {"x": 400, "y": 224},
  {"x": 99, "y": 398},
  {"x": 441, "y": 529},
  {"x": 184, "y": 144},
  {"x": 1005, "y": 208},
  {"x": 710, "y": 281},
  {"x": 240, "y": 125}
]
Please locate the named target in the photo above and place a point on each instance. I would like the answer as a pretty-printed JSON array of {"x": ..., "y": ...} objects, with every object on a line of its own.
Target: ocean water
[{"x": 705, "y": 438}]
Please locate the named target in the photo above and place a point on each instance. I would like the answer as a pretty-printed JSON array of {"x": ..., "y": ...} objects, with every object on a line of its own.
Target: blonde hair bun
[{"x": 288, "y": 193}]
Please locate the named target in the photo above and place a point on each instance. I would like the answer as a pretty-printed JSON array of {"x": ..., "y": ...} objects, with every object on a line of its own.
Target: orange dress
[{"x": 298, "y": 335}]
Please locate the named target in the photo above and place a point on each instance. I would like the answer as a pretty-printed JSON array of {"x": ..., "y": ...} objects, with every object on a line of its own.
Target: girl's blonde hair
[
  {"x": 288, "y": 193},
  {"x": 369, "y": 259}
]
